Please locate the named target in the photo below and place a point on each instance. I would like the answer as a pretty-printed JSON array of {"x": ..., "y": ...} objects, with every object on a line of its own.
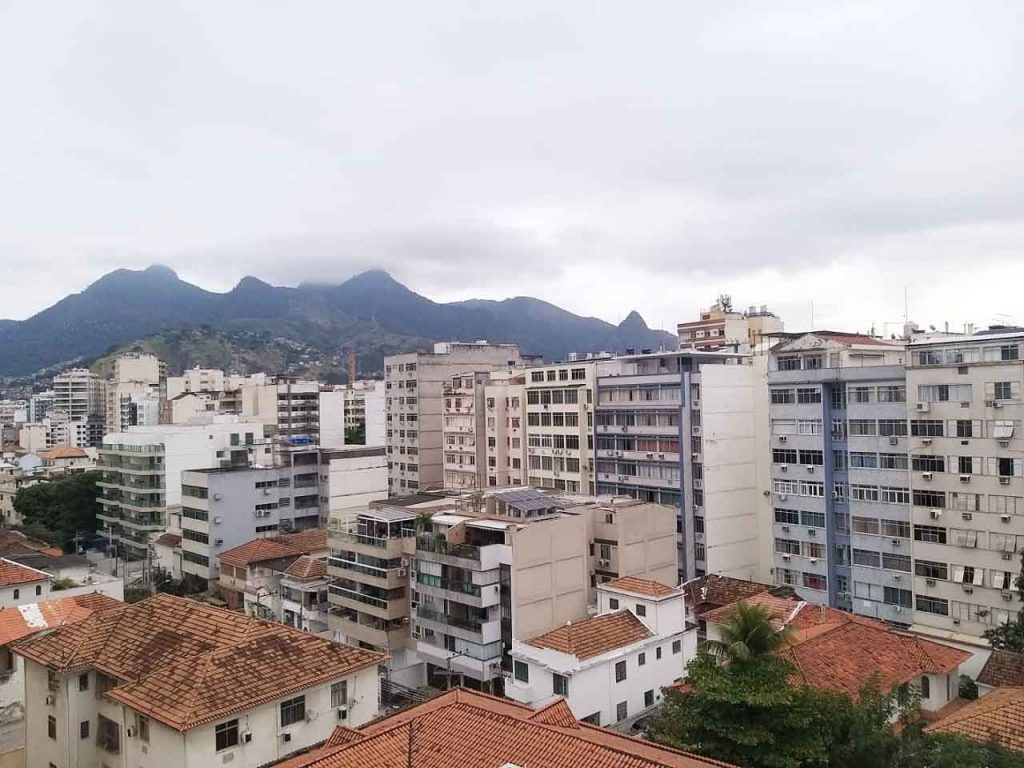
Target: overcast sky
[{"x": 602, "y": 155}]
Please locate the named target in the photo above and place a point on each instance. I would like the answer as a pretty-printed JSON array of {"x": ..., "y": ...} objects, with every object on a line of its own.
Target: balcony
[
  {"x": 459, "y": 555},
  {"x": 466, "y": 593},
  {"x": 394, "y": 608},
  {"x": 383, "y": 578},
  {"x": 399, "y": 543},
  {"x": 366, "y": 629},
  {"x": 472, "y": 630}
]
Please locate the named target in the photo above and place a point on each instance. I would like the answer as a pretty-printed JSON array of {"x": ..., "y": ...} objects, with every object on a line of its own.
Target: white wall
[
  {"x": 374, "y": 404},
  {"x": 353, "y": 482},
  {"x": 24, "y": 594},
  {"x": 332, "y": 419}
]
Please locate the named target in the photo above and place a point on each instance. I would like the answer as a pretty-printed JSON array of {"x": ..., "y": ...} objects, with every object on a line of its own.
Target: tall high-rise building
[
  {"x": 505, "y": 428},
  {"x": 840, "y": 480},
  {"x": 681, "y": 428},
  {"x": 135, "y": 397},
  {"x": 80, "y": 395},
  {"x": 965, "y": 399},
  {"x": 414, "y": 407}
]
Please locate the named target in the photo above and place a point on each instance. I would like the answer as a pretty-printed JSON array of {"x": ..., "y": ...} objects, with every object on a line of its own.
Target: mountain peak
[
  {"x": 249, "y": 283},
  {"x": 161, "y": 271},
  {"x": 634, "y": 320}
]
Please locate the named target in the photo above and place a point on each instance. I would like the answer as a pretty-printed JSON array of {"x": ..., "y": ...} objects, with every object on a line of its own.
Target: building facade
[{"x": 721, "y": 327}]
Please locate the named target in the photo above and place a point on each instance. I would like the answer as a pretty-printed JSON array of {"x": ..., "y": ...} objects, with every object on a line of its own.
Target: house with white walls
[{"x": 610, "y": 667}]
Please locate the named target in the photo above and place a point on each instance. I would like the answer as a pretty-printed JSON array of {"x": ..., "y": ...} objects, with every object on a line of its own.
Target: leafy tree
[
  {"x": 748, "y": 714},
  {"x": 943, "y": 750},
  {"x": 59, "y": 509},
  {"x": 748, "y": 633},
  {"x": 968, "y": 688},
  {"x": 355, "y": 435},
  {"x": 1010, "y": 636}
]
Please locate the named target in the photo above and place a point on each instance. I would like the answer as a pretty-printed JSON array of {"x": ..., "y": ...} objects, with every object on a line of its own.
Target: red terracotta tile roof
[
  {"x": 307, "y": 542},
  {"x": 185, "y": 663},
  {"x": 465, "y": 729},
  {"x": 307, "y": 568},
  {"x": 258, "y": 550},
  {"x": 707, "y": 592},
  {"x": 169, "y": 540},
  {"x": 63, "y": 452},
  {"x": 638, "y": 586},
  {"x": 18, "y": 621},
  {"x": 1003, "y": 668},
  {"x": 556, "y": 713},
  {"x": 781, "y": 609},
  {"x": 15, "y": 542},
  {"x": 591, "y": 637},
  {"x": 999, "y": 716},
  {"x": 846, "y": 655},
  {"x": 12, "y": 573}
]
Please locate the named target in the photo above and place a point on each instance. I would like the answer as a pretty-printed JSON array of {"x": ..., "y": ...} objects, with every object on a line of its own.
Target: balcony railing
[
  {"x": 444, "y": 547},
  {"x": 452, "y": 586},
  {"x": 473, "y": 625},
  {"x": 349, "y": 594},
  {"x": 373, "y": 541}
]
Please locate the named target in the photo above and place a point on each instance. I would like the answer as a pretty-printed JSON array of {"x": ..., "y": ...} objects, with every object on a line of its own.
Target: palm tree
[{"x": 748, "y": 633}]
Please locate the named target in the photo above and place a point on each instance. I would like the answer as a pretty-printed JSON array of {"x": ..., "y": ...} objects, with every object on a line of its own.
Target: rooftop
[
  {"x": 308, "y": 541},
  {"x": 999, "y": 717},
  {"x": 63, "y": 452},
  {"x": 18, "y": 621},
  {"x": 635, "y": 585},
  {"x": 1003, "y": 668},
  {"x": 12, "y": 573},
  {"x": 707, "y": 592},
  {"x": 591, "y": 637},
  {"x": 466, "y": 729},
  {"x": 257, "y": 551},
  {"x": 185, "y": 663},
  {"x": 307, "y": 568}
]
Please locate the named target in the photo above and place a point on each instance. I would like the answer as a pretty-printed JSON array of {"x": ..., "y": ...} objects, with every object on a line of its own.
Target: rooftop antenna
[
  {"x": 906, "y": 305},
  {"x": 812, "y": 315}
]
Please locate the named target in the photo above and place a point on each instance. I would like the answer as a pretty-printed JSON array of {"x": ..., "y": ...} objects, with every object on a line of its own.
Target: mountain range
[{"x": 371, "y": 313}]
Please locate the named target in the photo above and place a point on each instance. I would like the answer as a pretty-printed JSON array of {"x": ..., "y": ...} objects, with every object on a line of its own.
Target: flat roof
[{"x": 388, "y": 514}]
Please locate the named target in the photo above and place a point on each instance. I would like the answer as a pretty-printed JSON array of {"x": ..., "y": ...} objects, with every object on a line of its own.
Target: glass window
[
  {"x": 559, "y": 684},
  {"x": 620, "y": 671},
  {"x": 521, "y": 671},
  {"x": 226, "y": 735},
  {"x": 293, "y": 711}
]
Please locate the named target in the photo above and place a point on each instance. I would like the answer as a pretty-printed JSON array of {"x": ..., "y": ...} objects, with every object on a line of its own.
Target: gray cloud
[{"x": 601, "y": 155}]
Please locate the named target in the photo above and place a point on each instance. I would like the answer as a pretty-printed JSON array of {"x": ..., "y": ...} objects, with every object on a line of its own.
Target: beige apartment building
[
  {"x": 722, "y": 327},
  {"x": 505, "y": 424},
  {"x": 967, "y": 477},
  {"x": 414, "y": 407},
  {"x": 560, "y": 424},
  {"x": 463, "y": 431}
]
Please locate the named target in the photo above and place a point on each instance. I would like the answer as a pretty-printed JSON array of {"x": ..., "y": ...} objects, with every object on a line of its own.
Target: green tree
[
  {"x": 355, "y": 435},
  {"x": 59, "y": 509},
  {"x": 748, "y": 714},
  {"x": 1010, "y": 636},
  {"x": 943, "y": 750},
  {"x": 748, "y": 633}
]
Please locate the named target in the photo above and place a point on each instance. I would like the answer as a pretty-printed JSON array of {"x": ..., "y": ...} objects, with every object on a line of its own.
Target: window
[
  {"x": 1005, "y": 390},
  {"x": 817, "y": 458},
  {"x": 926, "y": 428},
  {"x": 808, "y": 426},
  {"x": 864, "y": 492},
  {"x": 677, "y": 646},
  {"x": 787, "y": 516},
  {"x": 893, "y": 461},
  {"x": 293, "y": 711},
  {"x": 39, "y": 590},
  {"x": 863, "y": 460},
  {"x": 815, "y": 581},
  {"x": 930, "y": 533},
  {"x": 784, "y": 456},
  {"x": 559, "y": 684},
  {"x": 893, "y": 393},
  {"x": 866, "y": 557},
  {"x": 621, "y": 711},
  {"x": 142, "y": 727},
  {"x": 787, "y": 546},
  {"x": 812, "y": 550},
  {"x": 641, "y": 659},
  {"x": 83, "y": 729},
  {"x": 521, "y": 671},
  {"x": 964, "y": 428},
  {"x": 83, "y": 681},
  {"x": 657, "y": 652},
  {"x": 931, "y": 570},
  {"x": 813, "y": 489},
  {"x": 783, "y": 397},
  {"x": 863, "y": 427},
  {"x": 808, "y": 395},
  {"x": 929, "y": 463},
  {"x": 860, "y": 394},
  {"x": 620, "y": 671},
  {"x": 894, "y": 562},
  {"x": 936, "y": 499},
  {"x": 900, "y": 597},
  {"x": 226, "y": 735},
  {"x": 897, "y": 529},
  {"x": 1002, "y": 430},
  {"x": 51, "y": 726},
  {"x": 108, "y": 735},
  {"x": 649, "y": 698},
  {"x": 926, "y": 687},
  {"x": 865, "y": 525},
  {"x": 17, "y": 594},
  {"x": 788, "y": 363},
  {"x": 613, "y": 603},
  {"x": 812, "y": 519},
  {"x": 894, "y": 495},
  {"x": 933, "y": 605},
  {"x": 339, "y": 694}
]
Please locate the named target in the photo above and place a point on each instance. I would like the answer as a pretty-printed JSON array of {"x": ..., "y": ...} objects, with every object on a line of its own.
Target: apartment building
[
  {"x": 351, "y": 478},
  {"x": 414, "y": 407},
  {"x": 722, "y": 327},
  {"x": 464, "y": 448},
  {"x": 560, "y": 424},
  {"x": 684, "y": 429},
  {"x": 134, "y": 397},
  {"x": 224, "y": 507},
  {"x": 80, "y": 394},
  {"x": 505, "y": 429},
  {"x": 840, "y": 479},
  {"x": 518, "y": 563},
  {"x": 39, "y": 404},
  {"x": 611, "y": 667},
  {"x": 142, "y": 472},
  {"x": 173, "y": 682},
  {"x": 363, "y": 403},
  {"x": 966, "y": 477}
]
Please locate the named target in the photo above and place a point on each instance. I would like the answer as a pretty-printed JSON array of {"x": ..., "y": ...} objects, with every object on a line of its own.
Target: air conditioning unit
[
  {"x": 965, "y": 478},
  {"x": 405, "y": 562},
  {"x": 926, "y": 475},
  {"x": 784, "y": 468},
  {"x": 286, "y": 737},
  {"x": 810, "y": 467},
  {"x": 843, "y": 595},
  {"x": 604, "y": 563},
  {"x": 343, "y": 712},
  {"x": 1007, "y": 555},
  {"x": 956, "y": 622},
  {"x": 923, "y": 407},
  {"x": 897, "y": 577},
  {"x": 216, "y": 497},
  {"x": 1004, "y": 443},
  {"x": 812, "y": 532},
  {"x": 997, "y": 404},
  {"x": 130, "y": 730},
  {"x": 894, "y": 440},
  {"x": 897, "y": 543},
  {"x": 782, "y": 438},
  {"x": 218, "y": 520},
  {"x": 897, "y": 609},
  {"x": 967, "y": 515},
  {"x": 930, "y": 582},
  {"x": 787, "y": 558},
  {"x": 783, "y": 497},
  {"x": 1005, "y": 518},
  {"x": 218, "y": 542},
  {"x": 990, "y": 403},
  {"x": 403, "y": 572},
  {"x": 51, "y": 700},
  {"x": 968, "y": 590},
  {"x": 650, "y": 455},
  {"x": 814, "y": 561},
  {"x": 266, "y": 491},
  {"x": 1004, "y": 481},
  {"x": 935, "y": 514},
  {"x": 1007, "y": 595},
  {"x": 785, "y": 529}
]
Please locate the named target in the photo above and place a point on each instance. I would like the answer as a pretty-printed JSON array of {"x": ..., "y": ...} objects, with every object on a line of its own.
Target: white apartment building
[
  {"x": 39, "y": 404},
  {"x": 505, "y": 429},
  {"x": 351, "y": 478},
  {"x": 967, "y": 478},
  {"x": 134, "y": 397},
  {"x": 464, "y": 443},
  {"x": 613, "y": 666},
  {"x": 688, "y": 429},
  {"x": 414, "y": 407},
  {"x": 81, "y": 396},
  {"x": 169, "y": 682},
  {"x": 840, "y": 481},
  {"x": 142, "y": 472},
  {"x": 224, "y": 507},
  {"x": 560, "y": 424},
  {"x": 194, "y": 380},
  {"x": 364, "y": 407}
]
